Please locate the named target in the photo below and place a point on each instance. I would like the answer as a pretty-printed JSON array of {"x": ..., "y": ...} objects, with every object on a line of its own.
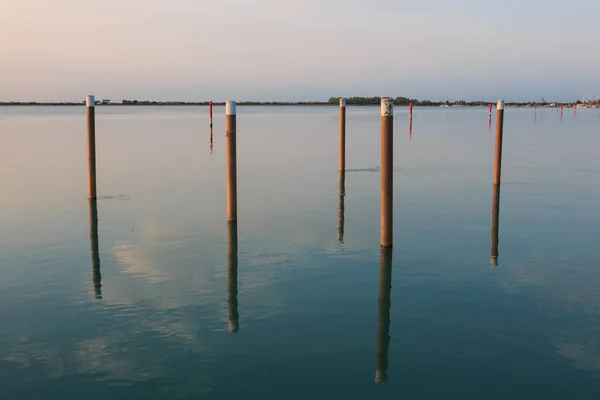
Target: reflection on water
[
  {"x": 211, "y": 140},
  {"x": 383, "y": 315},
  {"x": 232, "y": 281},
  {"x": 495, "y": 226},
  {"x": 341, "y": 206},
  {"x": 96, "y": 275}
]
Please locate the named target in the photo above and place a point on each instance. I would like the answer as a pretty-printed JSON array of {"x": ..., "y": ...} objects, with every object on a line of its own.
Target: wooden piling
[
  {"x": 341, "y": 206},
  {"x": 499, "y": 133},
  {"x": 91, "y": 139},
  {"x": 495, "y": 226},
  {"x": 231, "y": 156},
  {"x": 387, "y": 171},
  {"x": 232, "y": 282},
  {"x": 342, "y": 134},
  {"x": 383, "y": 315},
  {"x": 96, "y": 275}
]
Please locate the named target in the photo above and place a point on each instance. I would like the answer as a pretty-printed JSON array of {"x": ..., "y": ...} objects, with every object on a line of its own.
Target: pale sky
[{"x": 62, "y": 50}]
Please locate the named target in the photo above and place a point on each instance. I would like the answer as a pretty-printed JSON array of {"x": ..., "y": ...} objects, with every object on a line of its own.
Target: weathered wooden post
[
  {"x": 91, "y": 137},
  {"x": 231, "y": 155},
  {"x": 342, "y": 134},
  {"x": 232, "y": 286},
  {"x": 341, "y": 207},
  {"x": 499, "y": 133},
  {"x": 96, "y": 275},
  {"x": 383, "y": 315},
  {"x": 387, "y": 171},
  {"x": 495, "y": 226}
]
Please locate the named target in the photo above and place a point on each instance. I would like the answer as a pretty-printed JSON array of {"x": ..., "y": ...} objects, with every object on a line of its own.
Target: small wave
[
  {"x": 376, "y": 169},
  {"x": 115, "y": 197}
]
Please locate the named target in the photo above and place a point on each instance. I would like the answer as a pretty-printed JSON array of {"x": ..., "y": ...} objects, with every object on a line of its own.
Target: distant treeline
[
  {"x": 333, "y": 101},
  {"x": 372, "y": 101},
  {"x": 405, "y": 101}
]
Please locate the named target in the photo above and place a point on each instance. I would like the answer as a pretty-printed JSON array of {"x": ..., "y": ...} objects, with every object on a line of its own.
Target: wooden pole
[
  {"x": 499, "y": 132},
  {"x": 383, "y": 315},
  {"x": 96, "y": 275},
  {"x": 495, "y": 226},
  {"x": 232, "y": 285},
  {"x": 342, "y": 134},
  {"x": 231, "y": 155},
  {"x": 341, "y": 207},
  {"x": 91, "y": 137},
  {"x": 387, "y": 171}
]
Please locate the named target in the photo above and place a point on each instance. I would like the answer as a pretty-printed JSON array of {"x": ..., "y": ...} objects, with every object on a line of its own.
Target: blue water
[{"x": 158, "y": 304}]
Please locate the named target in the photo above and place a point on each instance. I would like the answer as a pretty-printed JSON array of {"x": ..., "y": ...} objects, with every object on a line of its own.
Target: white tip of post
[
  {"x": 342, "y": 102},
  {"x": 89, "y": 101},
  {"x": 387, "y": 107},
  {"x": 500, "y": 105},
  {"x": 230, "y": 108}
]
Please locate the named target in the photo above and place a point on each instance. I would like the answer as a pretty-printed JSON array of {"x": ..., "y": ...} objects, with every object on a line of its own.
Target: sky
[{"x": 289, "y": 50}]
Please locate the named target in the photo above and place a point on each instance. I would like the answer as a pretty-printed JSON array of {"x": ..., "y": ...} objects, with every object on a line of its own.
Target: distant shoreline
[{"x": 274, "y": 104}]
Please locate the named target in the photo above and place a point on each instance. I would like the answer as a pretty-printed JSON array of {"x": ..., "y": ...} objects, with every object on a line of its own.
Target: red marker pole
[
  {"x": 411, "y": 111},
  {"x": 210, "y": 111},
  {"x": 490, "y": 113}
]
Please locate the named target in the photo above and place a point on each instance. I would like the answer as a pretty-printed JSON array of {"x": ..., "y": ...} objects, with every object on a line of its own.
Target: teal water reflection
[{"x": 137, "y": 295}]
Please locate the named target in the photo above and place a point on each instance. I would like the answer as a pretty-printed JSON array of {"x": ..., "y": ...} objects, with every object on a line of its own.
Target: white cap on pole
[
  {"x": 89, "y": 101},
  {"x": 342, "y": 102},
  {"x": 230, "y": 108},
  {"x": 500, "y": 105},
  {"x": 387, "y": 107}
]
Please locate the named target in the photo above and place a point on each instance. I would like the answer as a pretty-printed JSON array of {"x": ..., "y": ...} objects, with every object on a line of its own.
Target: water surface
[{"x": 148, "y": 293}]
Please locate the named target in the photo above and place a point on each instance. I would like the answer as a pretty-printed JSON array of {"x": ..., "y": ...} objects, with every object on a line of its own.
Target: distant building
[{"x": 106, "y": 101}]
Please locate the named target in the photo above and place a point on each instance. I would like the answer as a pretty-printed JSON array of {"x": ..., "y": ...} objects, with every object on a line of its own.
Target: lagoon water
[{"x": 147, "y": 293}]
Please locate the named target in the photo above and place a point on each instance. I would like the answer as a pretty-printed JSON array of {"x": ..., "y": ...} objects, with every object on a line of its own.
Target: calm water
[{"x": 135, "y": 296}]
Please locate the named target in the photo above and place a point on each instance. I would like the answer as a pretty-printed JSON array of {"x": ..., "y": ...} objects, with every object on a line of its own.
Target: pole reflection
[
  {"x": 211, "y": 140},
  {"x": 232, "y": 284},
  {"x": 383, "y": 316},
  {"x": 495, "y": 226},
  {"x": 341, "y": 206},
  {"x": 96, "y": 275}
]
